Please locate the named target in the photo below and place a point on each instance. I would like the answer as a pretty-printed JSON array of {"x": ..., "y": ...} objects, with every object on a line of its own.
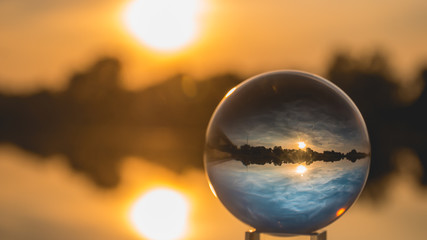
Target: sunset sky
[
  {"x": 283, "y": 108},
  {"x": 44, "y": 42}
]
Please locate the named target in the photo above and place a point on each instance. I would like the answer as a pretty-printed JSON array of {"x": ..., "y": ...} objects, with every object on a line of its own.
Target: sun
[
  {"x": 160, "y": 214},
  {"x": 301, "y": 145},
  {"x": 164, "y": 25},
  {"x": 301, "y": 169}
]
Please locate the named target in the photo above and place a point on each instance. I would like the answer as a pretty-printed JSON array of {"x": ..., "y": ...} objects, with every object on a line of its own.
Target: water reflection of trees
[{"x": 261, "y": 155}]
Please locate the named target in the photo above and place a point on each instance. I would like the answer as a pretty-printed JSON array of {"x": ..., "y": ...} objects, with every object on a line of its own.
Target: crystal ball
[{"x": 287, "y": 152}]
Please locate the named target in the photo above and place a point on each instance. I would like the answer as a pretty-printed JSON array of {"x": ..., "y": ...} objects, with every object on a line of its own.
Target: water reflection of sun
[{"x": 160, "y": 214}]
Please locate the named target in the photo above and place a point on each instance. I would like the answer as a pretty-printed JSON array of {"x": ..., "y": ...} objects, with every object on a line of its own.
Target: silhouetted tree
[{"x": 95, "y": 123}]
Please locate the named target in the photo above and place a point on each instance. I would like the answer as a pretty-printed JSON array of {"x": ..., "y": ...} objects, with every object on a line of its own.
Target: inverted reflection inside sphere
[{"x": 287, "y": 152}]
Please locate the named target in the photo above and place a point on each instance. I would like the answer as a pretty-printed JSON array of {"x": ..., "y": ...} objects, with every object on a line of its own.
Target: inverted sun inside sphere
[{"x": 260, "y": 170}]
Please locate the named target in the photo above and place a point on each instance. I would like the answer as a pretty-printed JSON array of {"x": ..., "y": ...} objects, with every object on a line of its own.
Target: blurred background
[{"x": 102, "y": 102}]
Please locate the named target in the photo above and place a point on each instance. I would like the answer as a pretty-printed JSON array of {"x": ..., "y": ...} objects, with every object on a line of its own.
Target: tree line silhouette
[
  {"x": 94, "y": 123},
  {"x": 261, "y": 155}
]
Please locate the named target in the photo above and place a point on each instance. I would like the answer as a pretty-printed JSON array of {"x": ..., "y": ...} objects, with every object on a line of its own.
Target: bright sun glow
[
  {"x": 160, "y": 214},
  {"x": 164, "y": 25},
  {"x": 301, "y": 145},
  {"x": 301, "y": 169}
]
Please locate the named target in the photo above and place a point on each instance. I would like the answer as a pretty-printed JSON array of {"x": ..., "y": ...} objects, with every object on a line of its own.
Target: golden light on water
[
  {"x": 161, "y": 214},
  {"x": 164, "y": 25},
  {"x": 301, "y": 145}
]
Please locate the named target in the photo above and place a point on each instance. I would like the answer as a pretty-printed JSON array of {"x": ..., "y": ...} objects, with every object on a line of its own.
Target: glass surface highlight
[{"x": 287, "y": 152}]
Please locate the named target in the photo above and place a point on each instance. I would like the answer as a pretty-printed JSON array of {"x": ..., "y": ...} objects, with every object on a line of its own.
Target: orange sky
[{"x": 43, "y": 42}]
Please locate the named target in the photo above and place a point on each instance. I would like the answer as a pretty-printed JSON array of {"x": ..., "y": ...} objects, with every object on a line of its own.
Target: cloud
[{"x": 323, "y": 125}]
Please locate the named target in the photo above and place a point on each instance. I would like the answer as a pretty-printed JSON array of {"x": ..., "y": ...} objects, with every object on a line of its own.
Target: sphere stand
[{"x": 254, "y": 235}]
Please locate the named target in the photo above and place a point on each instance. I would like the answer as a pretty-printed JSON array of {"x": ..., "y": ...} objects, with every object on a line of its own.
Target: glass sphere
[{"x": 287, "y": 152}]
